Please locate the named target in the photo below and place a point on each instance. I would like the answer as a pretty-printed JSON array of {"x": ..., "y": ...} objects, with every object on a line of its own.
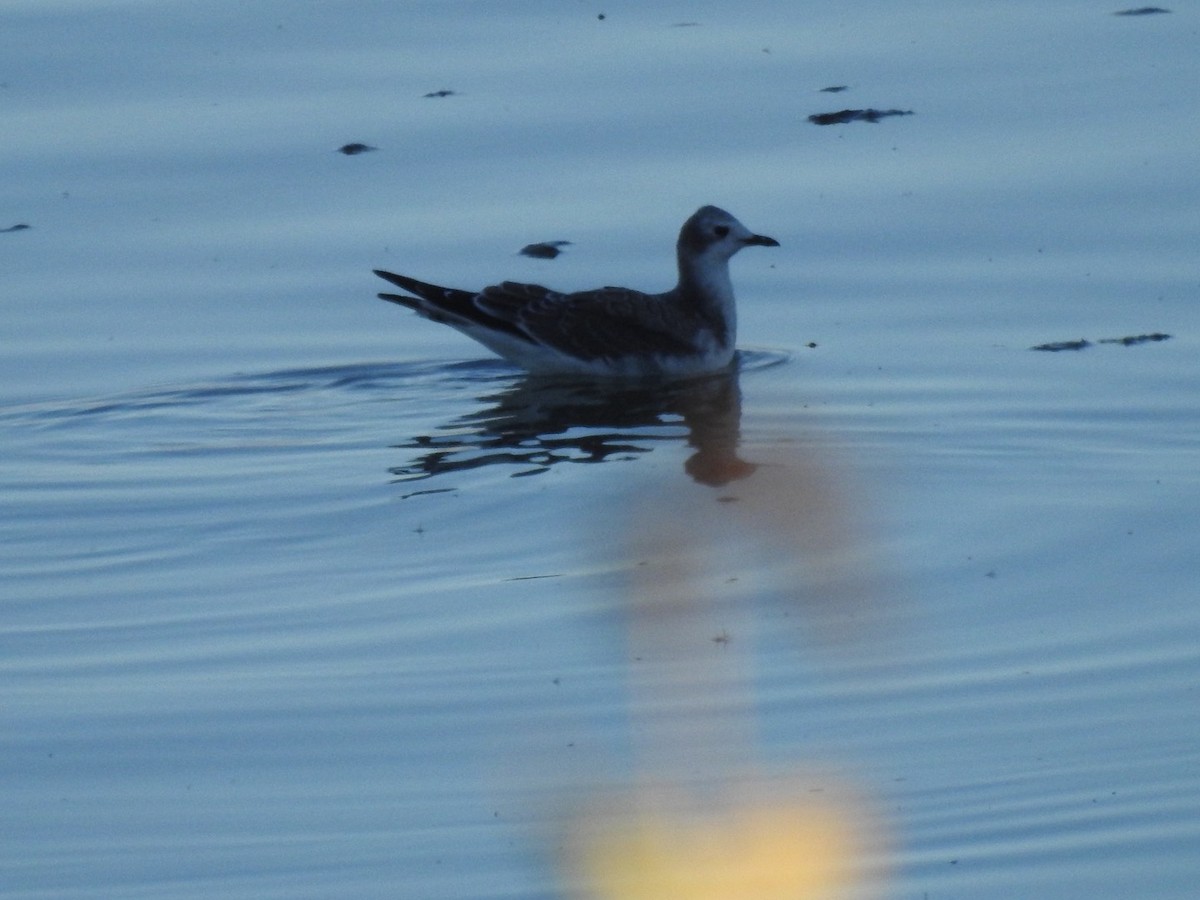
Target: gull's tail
[{"x": 430, "y": 300}]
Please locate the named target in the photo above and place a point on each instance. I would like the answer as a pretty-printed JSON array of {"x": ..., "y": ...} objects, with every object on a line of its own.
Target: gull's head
[{"x": 714, "y": 234}]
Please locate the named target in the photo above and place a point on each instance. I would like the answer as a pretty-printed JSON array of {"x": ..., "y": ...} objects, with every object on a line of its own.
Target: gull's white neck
[{"x": 706, "y": 278}]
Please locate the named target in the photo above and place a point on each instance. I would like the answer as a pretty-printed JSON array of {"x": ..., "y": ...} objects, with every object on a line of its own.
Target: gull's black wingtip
[
  {"x": 399, "y": 282},
  {"x": 419, "y": 288}
]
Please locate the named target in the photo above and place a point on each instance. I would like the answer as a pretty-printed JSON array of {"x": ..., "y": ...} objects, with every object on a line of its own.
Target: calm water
[{"x": 305, "y": 597}]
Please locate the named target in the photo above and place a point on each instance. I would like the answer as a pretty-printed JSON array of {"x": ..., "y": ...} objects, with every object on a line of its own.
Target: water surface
[{"x": 305, "y": 597}]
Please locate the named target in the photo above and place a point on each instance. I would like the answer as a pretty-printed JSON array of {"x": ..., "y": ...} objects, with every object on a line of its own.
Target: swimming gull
[{"x": 611, "y": 331}]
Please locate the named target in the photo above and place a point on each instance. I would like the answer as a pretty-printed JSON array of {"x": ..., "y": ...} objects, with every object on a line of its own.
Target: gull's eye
[{"x": 721, "y": 231}]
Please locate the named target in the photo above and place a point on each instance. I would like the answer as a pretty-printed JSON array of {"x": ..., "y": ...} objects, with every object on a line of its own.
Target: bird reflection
[{"x": 539, "y": 422}]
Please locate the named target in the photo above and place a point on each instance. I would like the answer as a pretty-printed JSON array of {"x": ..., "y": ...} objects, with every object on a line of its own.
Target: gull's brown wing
[{"x": 607, "y": 323}]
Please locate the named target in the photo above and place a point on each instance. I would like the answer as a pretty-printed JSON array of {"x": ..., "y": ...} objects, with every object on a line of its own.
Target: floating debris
[
  {"x": 1136, "y": 339},
  {"x": 1063, "y": 345},
  {"x": 856, "y": 115},
  {"x": 544, "y": 250},
  {"x": 1142, "y": 11},
  {"x": 1080, "y": 344},
  {"x": 442, "y": 93},
  {"x": 20, "y": 226},
  {"x": 355, "y": 149},
  {"x": 834, "y": 89}
]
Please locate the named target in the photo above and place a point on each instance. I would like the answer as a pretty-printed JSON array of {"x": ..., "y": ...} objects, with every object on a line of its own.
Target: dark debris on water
[
  {"x": 20, "y": 226},
  {"x": 441, "y": 93},
  {"x": 544, "y": 249},
  {"x": 355, "y": 149},
  {"x": 1142, "y": 11},
  {"x": 1127, "y": 341},
  {"x": 856, "y": 115}
]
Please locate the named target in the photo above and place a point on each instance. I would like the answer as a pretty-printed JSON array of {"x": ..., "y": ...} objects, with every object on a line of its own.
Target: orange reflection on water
[
  {"x": 702, "y": 821},
  {"x": 753, "y": 535}
]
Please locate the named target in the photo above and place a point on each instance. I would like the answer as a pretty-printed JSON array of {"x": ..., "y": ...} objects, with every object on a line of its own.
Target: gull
[{"x": 610, "y": 331}]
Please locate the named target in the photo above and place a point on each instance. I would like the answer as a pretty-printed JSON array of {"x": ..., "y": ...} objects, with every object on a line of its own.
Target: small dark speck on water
[
  {"x": 441, "y": 93},
  {"x": 20, "y": 226},
  {"x": 1142, "y": 11},
  {"x": 355, "y": 149},
  {"x": 834, "y": 89},
  {"x": 544, "y": 250},
  {"x": 856, "y": 115},
  {"x": 600, "y": 17}
]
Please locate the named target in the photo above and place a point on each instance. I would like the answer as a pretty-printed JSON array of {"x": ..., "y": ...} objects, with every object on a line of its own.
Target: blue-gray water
[{"x": 305, "y": 597}]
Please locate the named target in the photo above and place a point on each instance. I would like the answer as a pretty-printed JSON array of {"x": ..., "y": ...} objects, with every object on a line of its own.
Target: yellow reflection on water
[
  {"x": 759, "y": 840},
  {"x": 771, "y": 530}
]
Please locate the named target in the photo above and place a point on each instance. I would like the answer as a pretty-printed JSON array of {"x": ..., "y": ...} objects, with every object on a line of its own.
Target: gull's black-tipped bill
[
  {"x": 687, "y": 330},
  {"x": 760, "y": 240}
]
